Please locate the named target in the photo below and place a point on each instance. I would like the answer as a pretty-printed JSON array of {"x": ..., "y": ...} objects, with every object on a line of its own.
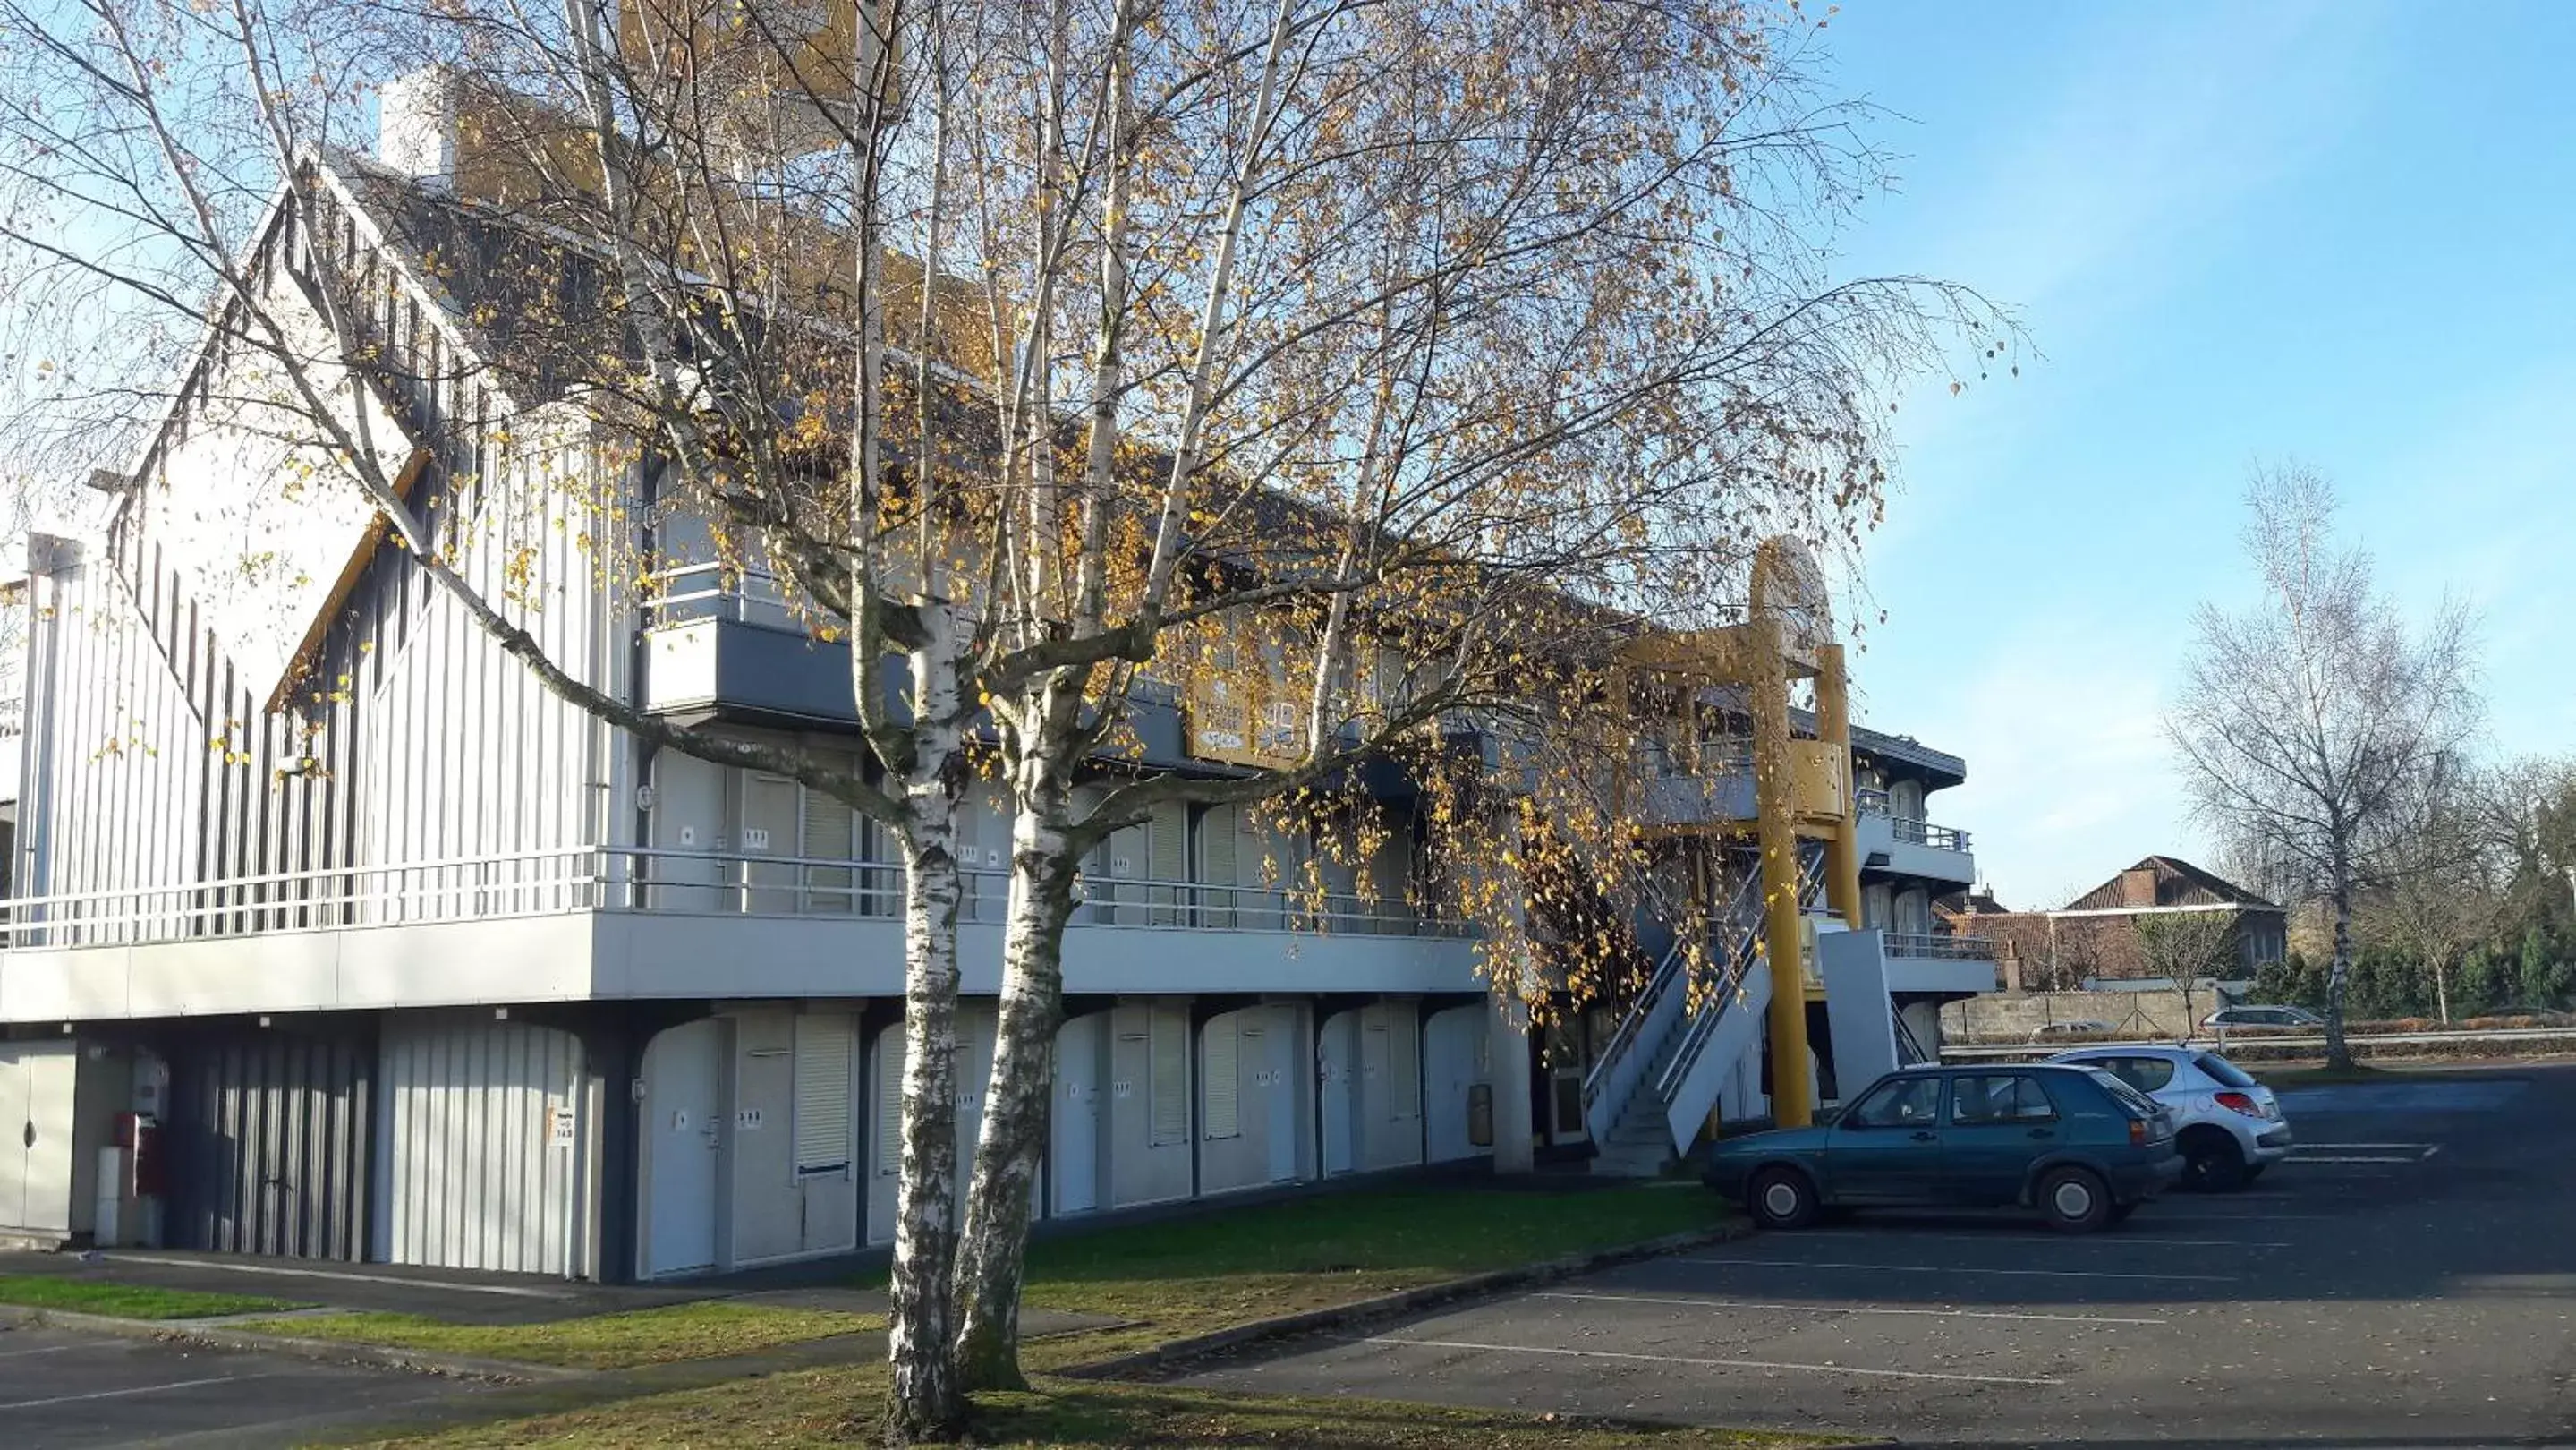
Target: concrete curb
[
  {"x": 1406, "y": 1301},
  {"x": 332, "y": 1351}
]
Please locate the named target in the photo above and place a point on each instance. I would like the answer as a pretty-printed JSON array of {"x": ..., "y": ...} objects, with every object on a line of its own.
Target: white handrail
[{"x": 571, "y": 878}]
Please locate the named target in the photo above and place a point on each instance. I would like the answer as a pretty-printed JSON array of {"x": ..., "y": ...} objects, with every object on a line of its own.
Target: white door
[
  {"x": 1283, "y": 1097},
  {"x": 1077, "y": 1114},
  {"x": 36, "y": 1153},
  {"x": 1337, "y": 1050},
  {"x": 17, "y": 1138},
  {"x": 683, "y": 1068}
]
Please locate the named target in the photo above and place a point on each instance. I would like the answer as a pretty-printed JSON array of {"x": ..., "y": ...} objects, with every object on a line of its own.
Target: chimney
[
  {"x": 2138, "y": 886},
  {"x": 416, "y": 125}
]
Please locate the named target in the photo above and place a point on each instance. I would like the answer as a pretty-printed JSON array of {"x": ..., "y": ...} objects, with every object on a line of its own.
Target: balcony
[
  {"x": 1903, "y": 846},
  {"x": 1940, "y": 948},
  {"x": 728, "y": 644},
  {"x": 584, "y": 923},
  {"x": 1695, "y": 784}
]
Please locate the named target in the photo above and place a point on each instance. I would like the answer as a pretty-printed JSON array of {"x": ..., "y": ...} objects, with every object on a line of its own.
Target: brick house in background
[{"x": 2094, "y": 938}]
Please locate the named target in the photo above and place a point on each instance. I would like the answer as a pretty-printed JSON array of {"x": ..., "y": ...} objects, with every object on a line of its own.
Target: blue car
[{"x": 2076, "y": 1143}]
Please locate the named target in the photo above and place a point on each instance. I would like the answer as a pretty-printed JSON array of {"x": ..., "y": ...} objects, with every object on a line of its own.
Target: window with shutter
[
  {"x": 1216, "y": 867},
  {"x": 1403, "y": 1066},
  {"x": 1167, "y": 839},
  {"x": 830, "y": 830},
  {"x": 889, "y": 1149},
  {"x": 1224, "y": 1079},
  {"x": 1167, "y": 1073},
  {"x": 823, "y": 1042}
]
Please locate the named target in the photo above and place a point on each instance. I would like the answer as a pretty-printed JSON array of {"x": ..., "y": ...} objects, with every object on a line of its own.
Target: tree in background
[
  {"x": 2439, "y": 901},
  {"x": 2540, "y": 979},
  {"x": 2316, "y": 724},
  {"x": 2186, "y": 946}
]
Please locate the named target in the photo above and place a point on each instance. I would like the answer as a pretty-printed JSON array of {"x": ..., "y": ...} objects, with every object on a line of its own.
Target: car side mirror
[{"x": 1829, "y": 1117}]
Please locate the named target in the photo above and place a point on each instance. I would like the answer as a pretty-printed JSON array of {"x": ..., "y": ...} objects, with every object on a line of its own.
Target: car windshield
[{"x": 2227, "y": 1073}]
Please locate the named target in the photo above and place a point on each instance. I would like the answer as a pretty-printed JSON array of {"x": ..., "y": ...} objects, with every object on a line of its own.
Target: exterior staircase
[{"x": 1655, "y": 1082}]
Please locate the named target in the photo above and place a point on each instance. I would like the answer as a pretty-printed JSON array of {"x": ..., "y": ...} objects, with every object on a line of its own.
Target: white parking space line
[
  {"x": 221, "y": 1379},
  {"x": 2304, "y": 1158},
  {"x": 2113, "y": 1240},
  {"x": 47, "y": 1349},
  {"x": 1959, "y": 1269},
  {"x": 2297, "y": 1146},
  {"x": 1894, "y": 1374},
  {"x": 1852, "y": 1309}
]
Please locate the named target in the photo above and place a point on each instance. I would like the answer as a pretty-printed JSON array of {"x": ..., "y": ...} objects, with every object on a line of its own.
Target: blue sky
[{"x": 2341, "y": 233}]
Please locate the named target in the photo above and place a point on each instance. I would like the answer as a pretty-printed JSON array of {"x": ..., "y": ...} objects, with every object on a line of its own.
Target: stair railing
[{"x": 1624, "y": 1058}]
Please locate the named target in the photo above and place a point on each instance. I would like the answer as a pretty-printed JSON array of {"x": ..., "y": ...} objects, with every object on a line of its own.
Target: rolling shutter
[
  {"x": 829, "y": 831},
  {"x": 889, "y": 1150},
  {"x": 823, "y": 1042},
  {"x": 1168, "y": 842},
  {"x": 1168, "y": 1074},
  {"x": 1224, "y": 1079},
  {"x": 1216, "y": 867}
]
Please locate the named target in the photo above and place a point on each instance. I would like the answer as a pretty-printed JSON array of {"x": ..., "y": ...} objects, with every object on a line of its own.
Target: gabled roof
[
  {"x": 1971, "y": 903},
  {"x": 2178, "y": 883}
]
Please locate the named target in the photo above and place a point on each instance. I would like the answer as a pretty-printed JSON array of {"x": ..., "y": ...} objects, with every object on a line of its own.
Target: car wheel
[
  {"x": 2076, "y": 1200},
  {"x": 1782, "y": 1198},
  {"x": 2212, "y": 1163}
]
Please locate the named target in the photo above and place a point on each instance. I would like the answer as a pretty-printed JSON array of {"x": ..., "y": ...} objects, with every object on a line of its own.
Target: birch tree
[
  {"x": 653, "y": 288},
  {"x": 1387, "y": 371},
  {"x": 2317, "y": 724}
]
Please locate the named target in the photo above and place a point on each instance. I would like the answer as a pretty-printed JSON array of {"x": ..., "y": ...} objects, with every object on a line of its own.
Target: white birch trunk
[
  {"x": 1001, "y": 1199},
  {"x": 925, "y": 1400}
]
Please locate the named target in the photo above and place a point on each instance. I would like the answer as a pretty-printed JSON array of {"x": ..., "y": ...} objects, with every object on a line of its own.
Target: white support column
[{"x": 1510, "y": 1080}]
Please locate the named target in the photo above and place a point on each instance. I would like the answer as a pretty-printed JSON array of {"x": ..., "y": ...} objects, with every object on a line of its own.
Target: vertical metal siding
[
  {"x": 436, "y": 745},
  {"x": 270, "y": 1144},
  {"x": 477, "y": 1182}
]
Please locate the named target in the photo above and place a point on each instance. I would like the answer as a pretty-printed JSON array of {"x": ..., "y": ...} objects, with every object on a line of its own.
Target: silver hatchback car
[{"x": 2229, "y": 1126}]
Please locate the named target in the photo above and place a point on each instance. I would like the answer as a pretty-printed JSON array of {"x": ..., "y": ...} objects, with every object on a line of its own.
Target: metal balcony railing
[
  {"x": 1908, "y": 829},
  {"x": 712, "y": 590},
  {"x": 1939, "y": 948},
  {"x": 647, "y": 879}
]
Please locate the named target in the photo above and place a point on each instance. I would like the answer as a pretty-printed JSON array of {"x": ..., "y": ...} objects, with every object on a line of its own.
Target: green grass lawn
[
  {"x": 699, "y": 1330},
  {"x": 837, "y": 1408},
  {"x": 1179, "y": 1277},
  {"x": 1209, "y": 1271},
  {"x": 129, "y": 1301}
]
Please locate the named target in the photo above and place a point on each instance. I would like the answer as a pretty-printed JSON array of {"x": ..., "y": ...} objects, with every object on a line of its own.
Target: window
[
  {"x": 823, "y": 1043},
  {"x": 1913, "y": 1102},
  {"x": 2146, "y": 1074},
  {"x": 2001, "y": 1098},
  {"x": 2223, "y": 1072},
  {"x": 1167, "y": 1074},
  {"x": 1224, "y": 1079}
]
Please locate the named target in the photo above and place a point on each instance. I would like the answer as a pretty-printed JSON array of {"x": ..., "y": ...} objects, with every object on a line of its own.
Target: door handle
[
  {"x": 1922, "y": 1136},
  {"x": 2043, "y": 1132}
]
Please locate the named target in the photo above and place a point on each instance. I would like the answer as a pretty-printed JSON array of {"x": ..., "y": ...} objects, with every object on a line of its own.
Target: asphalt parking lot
[
  {"x": 62, "y": 1390},
  {"x": 2407, "y": 1278}
]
